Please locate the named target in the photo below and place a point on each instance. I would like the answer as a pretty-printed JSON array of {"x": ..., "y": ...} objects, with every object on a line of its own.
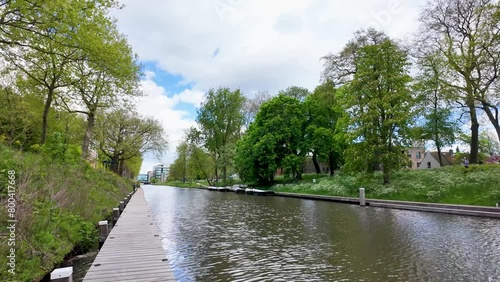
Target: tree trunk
[
  {"x": 331, "y": 164},
  {"x": 216, "y": 174},
  {"x": 439, "y": 155},
  {"x": 493, "y": 118},
  {"x": 316, "y": 164},
  {"x": 121, "y": 167},
  {"x": 115, "y": 164},
  {"x": 224, "y": 173},
  {"x": 387, "y": 177},
  {"x": 474, "y": 142},
  {"x": 45, "y": 117},
  {"x": 88, "y": 135}
]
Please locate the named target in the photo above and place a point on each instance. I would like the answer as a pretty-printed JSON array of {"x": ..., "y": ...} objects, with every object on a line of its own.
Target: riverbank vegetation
[
  {"x": 477, "y": 185},
  {"x": 379, "y": 99},
  {"x": 57, "y": 206}
]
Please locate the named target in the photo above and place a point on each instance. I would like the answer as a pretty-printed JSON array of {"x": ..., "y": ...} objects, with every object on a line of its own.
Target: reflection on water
[{"x": 213, "y": 236}]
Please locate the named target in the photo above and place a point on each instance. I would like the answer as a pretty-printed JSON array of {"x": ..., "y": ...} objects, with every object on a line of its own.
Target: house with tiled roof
[{"x": 431, "y": 160}]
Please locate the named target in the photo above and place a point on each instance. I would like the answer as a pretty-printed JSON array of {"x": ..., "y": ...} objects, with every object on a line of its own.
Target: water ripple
[{"x": 210, "y": 236}]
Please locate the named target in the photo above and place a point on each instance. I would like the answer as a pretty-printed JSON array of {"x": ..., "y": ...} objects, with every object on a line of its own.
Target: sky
[{"x": 187, "y": 47}]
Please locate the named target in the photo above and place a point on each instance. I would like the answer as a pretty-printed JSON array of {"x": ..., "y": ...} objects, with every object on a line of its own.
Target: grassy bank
[
  {"x": 477, "y": 185},
  {"x": 180, "y": 184},
  {"x": 57, "y": 208},
  {"x": 195, "y": 184}
]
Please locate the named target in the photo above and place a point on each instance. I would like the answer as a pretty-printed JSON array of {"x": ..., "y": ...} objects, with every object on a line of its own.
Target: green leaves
[
  {"x": 378, "y": 102},
  {"x": 220, "y": 119}
]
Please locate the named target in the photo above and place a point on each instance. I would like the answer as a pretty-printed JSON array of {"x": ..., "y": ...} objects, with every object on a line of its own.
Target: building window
[
  {"x": 409, "y": 154},
  {"x": 419, "y": 156},
  {"x": 418, "y": 164},
  {"x": 429, "y": 165}
]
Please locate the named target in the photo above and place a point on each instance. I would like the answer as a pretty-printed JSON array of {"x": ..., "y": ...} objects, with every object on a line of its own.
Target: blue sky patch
[
  {"x": 216, "y": 52},
  {"x": 172, "y": 83}
]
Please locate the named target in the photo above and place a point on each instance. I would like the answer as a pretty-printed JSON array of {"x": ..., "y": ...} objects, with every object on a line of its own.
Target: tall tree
[
  {"x": 323, "y": 113},
  {"x": 466, "y": 35},
  {"x": 123, "y": 135},
  {"x": 296, "y": 92},
  {"x": 252, "y": 105},
  {"x": 435, "y": 98},
  {"x": 44, "y": 38},
  {"x": 274, "y": 140},
  {"x": 104, "y": 80},
  {"x": 379, "y": 104},
  {"x": 220, "y": 120}
]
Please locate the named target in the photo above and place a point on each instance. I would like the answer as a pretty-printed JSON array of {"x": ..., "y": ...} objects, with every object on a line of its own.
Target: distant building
[
  {"x": 150, "y": 175},
  {"x": 431, "y": 160},
  {"x": 160, "y": 172},
  {"x": 416, "y": 155}
]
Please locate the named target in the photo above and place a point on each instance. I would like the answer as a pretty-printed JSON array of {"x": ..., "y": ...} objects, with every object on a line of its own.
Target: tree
[
  {"x": 44, "y": 38},
  {"x": 251, "y": 106},
  {"x": 438, "y": 126},
  {"x": 103, "y": 81},
  {"x": 323, "y": 131},
  {"x": 220, "y": 120},
  {"x": 123, "y": 135},
  {"x": 200, "y": 164},
  {"x": 296, "y": 92},
  {"x": 488, "y": 144},
  {"x": 274, "y": 140},
  {"x": 465, "y": 34},
  {"x": 179, "y": 169},
  {"x": 378, "y": 103}
]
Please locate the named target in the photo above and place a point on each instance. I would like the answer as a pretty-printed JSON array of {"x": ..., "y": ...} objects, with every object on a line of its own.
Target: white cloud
[
  {"x": 194, "y": 98},
  {"x": 264, "y": 45},
  {"x": 157, "y": 104}
]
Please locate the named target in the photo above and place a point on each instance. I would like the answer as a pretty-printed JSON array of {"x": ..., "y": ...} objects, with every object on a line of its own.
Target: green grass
[
  {"x": 194, "y": 184},
  {"x": 180, "y": 184},
  {"x": 58, "y": 206},
  {"x": 478, "y": 185}
]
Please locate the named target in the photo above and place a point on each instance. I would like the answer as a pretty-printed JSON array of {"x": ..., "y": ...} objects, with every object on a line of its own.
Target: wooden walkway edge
[{"x": 133, "y": 250}]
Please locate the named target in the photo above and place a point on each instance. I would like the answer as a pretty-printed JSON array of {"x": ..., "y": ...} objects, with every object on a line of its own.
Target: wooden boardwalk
[{"x": 132, "y": 251}]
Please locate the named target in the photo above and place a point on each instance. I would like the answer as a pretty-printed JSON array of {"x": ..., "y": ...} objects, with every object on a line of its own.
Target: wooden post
[
  {"x": 116, "y": 215},
  {"x": 122, "y": 206},
  {"x": 62, "y": 274},
  {"x": 103, "y": 228},
  {"x": 125, "y": 200},
  {"x": 362, "y": 200}
]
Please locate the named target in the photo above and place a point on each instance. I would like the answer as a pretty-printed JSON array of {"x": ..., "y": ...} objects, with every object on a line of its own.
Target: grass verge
[
  {"x": 57, "y": 207},
  {"x": 477, "y": 185}
]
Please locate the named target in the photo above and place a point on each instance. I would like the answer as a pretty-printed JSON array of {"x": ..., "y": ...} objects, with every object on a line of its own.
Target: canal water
[{"x": 213, "y": 236}]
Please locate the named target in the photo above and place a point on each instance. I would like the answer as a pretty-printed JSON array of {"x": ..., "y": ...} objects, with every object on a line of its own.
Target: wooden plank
[{"x": 132, "y": 252}]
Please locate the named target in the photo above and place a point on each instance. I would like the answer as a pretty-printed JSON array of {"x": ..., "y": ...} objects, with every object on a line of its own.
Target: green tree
[
  {"x": 323, "y": 133},
  {"x": 299, "y": 93},
  {"x": 465, "y": 35},
  {"x": 123, "y": 135},
  {"x": 220, "y": 120},
  {"x": 200, "y": 164},
  {"x": 43, "y": 39},
  {"x": 438, "y": 125},
  {"x": 179, "y": 169},
  {"x": 379, "y": 106},
  {"x": 274, "y": 140},
  {"x": 102, "y": 83}
]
